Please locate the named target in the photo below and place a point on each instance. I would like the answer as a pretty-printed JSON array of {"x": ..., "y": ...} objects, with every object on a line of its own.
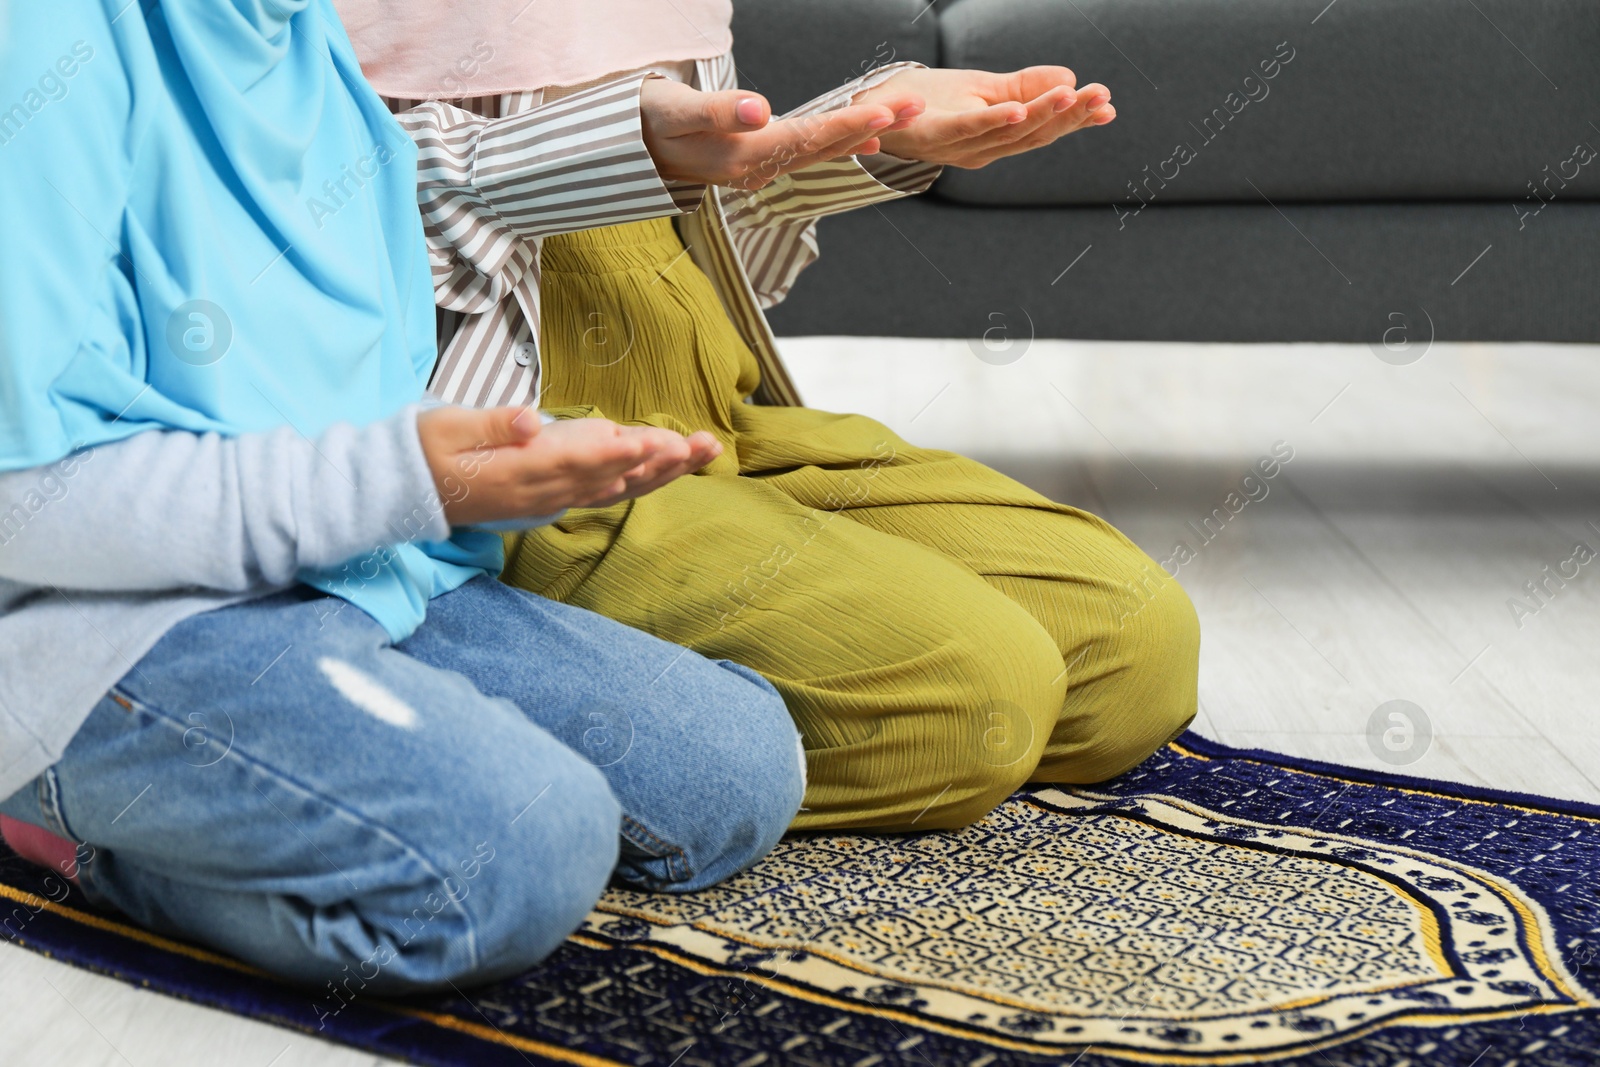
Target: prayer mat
[{"x": 1212, "y": 906}]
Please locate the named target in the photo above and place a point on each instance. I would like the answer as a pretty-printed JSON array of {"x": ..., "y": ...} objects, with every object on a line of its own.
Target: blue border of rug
[
  {"x": 1216, "y": 750},
  {"x": 451, "y": 1031}
]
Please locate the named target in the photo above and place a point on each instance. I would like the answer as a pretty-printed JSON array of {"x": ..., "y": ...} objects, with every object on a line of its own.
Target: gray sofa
[{"x": 1283, "y": 170}]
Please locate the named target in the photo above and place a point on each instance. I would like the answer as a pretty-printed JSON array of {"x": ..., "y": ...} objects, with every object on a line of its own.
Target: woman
[
  {"x": 259, "y": 687},
  {"x": 939, "y": 632}
]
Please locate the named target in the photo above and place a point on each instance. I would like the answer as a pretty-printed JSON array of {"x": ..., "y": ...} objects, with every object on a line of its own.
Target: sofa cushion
[
  {"x": 1297, "y": 99},
  {"x": 793, "y": 50}
]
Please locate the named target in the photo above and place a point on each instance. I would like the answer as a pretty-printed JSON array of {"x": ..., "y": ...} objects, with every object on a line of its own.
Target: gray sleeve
[{"x": 168, "y": 510}]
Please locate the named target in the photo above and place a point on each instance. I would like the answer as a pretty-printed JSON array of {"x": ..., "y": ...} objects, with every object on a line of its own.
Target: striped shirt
[{"x": 498, "y": 174}]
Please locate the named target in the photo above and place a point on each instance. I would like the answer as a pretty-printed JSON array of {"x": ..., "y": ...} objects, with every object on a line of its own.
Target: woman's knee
[
  {"x": 1158, "y": 618},
  {"x": 1143, "y": 688},
  {"x": 1005, "y": 681},
  {"x": 1162, "y": 648},
  {"x": 1021, "y": 725}
]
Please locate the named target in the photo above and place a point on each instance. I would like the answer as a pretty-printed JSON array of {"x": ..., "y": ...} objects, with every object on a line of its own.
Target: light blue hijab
[{"x": 210, "y": 223}]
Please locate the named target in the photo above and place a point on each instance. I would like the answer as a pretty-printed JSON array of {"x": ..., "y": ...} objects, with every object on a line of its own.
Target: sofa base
[{"x": 1207, "y": 272}]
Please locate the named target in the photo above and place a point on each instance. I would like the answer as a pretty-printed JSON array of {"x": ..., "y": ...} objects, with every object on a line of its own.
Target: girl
[{"x": 259, "y": 687}]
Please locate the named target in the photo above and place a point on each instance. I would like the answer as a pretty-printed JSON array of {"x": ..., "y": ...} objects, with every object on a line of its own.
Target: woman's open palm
[
  {"x": 973, "y": 117},
  {"x": 730, "y": 138}
]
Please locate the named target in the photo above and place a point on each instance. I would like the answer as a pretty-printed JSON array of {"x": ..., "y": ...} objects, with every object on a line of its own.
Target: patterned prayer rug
[{"x": 1212, "y": 906}]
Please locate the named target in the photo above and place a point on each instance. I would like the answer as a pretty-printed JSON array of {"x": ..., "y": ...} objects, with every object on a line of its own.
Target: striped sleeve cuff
[
  {"x": 829, "y": 188},
  {"x": 837, "y": 185},
  {"x": 573, "y": 164},
  {"x": 906, "y": 176},
  {"x": 773, "y": 228},
  {"x": 837, "y": 98},
  {"x": 686, "y": 195}
]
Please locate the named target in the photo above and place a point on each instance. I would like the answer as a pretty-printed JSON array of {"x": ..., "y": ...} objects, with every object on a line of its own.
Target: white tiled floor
[{"x": 1379, "y": 566}]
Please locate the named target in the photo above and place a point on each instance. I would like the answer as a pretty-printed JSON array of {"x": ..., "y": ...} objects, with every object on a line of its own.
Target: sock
[{"x": 40, "y": 846}]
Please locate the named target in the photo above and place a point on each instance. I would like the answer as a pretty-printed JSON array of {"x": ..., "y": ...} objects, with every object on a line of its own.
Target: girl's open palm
[{"x": 496, "y": 464}]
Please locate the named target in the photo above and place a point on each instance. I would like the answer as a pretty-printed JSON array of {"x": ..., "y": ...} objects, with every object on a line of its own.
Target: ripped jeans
[{"x": 278, "y": 781}]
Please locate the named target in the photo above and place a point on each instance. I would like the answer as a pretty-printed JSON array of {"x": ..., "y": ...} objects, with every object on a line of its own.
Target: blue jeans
[{"x": 279, "y": 781}]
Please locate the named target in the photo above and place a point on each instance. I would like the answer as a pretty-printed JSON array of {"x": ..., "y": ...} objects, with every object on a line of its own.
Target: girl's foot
[{"x": 40, "y": 846}]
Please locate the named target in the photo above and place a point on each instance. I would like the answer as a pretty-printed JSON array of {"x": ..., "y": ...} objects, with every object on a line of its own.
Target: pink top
[{"x": 441, "y": 49}]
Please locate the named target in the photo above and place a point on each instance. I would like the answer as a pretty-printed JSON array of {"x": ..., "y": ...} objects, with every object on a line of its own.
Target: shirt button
[{"x": 524, "y": 353}]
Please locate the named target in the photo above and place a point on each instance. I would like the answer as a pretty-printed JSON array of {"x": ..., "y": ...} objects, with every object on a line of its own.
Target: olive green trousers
[{"x": 940, "y": 633}]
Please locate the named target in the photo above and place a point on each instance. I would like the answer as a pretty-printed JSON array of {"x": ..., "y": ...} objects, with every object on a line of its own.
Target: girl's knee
[
  {"x": 747, "y": 764},
  {"x": 562, "y": 849},
  {"x": 514, "y": 893},
  {"x": 768, "y": 773}
]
